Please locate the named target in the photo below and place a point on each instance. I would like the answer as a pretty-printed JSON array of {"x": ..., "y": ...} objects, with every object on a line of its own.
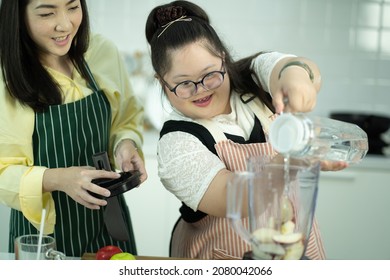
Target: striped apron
[
  {"x": 64, "y": 136},
  {"x": 213, "y": 237}
]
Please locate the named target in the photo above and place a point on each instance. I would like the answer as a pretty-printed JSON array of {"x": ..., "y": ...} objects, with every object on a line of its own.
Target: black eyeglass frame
[{"x": 222, "y": 72}]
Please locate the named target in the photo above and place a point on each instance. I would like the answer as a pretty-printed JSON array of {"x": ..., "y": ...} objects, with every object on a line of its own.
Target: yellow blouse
[{"x": 20, "y": 181}]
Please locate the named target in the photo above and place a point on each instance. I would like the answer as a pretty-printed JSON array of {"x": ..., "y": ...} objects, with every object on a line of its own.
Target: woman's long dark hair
[
  {"x": 163, "y": 40},
  {"x": 25, "y": 77}
]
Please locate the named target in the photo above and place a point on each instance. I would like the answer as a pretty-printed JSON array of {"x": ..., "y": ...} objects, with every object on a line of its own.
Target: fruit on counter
[
  {"x": 106, "y": 252},
  {"x": 123, "y": 256}
]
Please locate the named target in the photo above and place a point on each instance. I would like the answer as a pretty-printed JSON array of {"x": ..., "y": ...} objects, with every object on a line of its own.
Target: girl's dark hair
[
  {"x": 24, "y": 75},
  {"x": 163, "y": 40}
]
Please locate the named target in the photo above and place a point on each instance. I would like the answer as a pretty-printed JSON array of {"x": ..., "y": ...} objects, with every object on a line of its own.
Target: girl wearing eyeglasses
[{"x": 221, "y": 112}]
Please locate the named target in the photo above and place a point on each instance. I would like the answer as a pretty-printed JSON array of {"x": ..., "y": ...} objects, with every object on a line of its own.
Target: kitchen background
[{"x": 349, "y": 40}]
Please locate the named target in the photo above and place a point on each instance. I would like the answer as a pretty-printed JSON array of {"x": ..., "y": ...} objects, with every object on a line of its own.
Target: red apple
[{"x": 105, "y": 253}]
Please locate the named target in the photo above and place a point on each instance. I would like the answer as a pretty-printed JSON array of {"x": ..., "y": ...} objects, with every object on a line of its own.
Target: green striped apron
[{"x": 64, "y": 136}]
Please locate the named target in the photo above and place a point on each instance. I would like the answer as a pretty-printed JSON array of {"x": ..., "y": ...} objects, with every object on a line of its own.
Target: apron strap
[
  {"x": 215, "y": 131},
  {"x": 115, "y": 222},
  {"x": 261, "y": 111},
  {"x": 92, "y": 82}
]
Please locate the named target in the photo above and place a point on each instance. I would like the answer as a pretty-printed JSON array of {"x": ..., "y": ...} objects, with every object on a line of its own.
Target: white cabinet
[
  {"x": 353, "y": 210},
  {"x": 4, "y": 229},
  {"x": 153, "y": 209}
]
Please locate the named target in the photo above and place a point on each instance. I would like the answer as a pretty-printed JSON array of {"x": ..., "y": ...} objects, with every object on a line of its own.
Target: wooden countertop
[{"x": 92, "y": 256}]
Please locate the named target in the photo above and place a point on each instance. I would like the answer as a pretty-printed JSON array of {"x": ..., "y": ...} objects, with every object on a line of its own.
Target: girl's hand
[
  {"x": 325, "y": 165},
  {"x": 294, "y": 92},
  {"x": 294, "y": 88},
  {"x": 333, "y": 165}
]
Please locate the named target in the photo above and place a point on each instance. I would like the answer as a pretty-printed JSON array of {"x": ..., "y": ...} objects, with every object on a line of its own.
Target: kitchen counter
[
  {"x": 352, "y": 210},
  {"x": 11, "y": 256},
  {"x": 89, "y": 256},
  {"x": 374, "y": 162},
  {"x": 7, "y": 256}
]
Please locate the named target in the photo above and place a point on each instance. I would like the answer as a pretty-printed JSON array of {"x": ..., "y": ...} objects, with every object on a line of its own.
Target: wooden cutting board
[{"x": 92, "y": 256}]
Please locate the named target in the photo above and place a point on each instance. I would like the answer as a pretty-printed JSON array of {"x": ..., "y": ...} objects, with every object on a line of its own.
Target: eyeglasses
[{"x": 210, "y": 81}]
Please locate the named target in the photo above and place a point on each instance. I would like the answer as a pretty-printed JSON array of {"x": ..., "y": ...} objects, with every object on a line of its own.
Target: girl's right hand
[
  {"x": 76, "y": 182},
  {"x": 292, "y": 88}
]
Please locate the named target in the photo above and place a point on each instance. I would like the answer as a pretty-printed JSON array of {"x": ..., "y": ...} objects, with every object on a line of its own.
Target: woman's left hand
[{"x": 128, "y": 159}]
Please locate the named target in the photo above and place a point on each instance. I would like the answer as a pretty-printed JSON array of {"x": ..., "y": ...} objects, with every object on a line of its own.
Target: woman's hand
[
  {"x": 76, "y": 182},
  {"x": 292, "y": 88},
  {"x": 128, "y": 159}
]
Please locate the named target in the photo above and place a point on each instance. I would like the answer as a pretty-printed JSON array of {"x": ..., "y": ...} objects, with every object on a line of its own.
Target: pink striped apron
[{"x": 213, "y": 237}]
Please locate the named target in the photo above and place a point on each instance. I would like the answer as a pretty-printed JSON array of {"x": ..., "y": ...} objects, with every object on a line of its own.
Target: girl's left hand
[
  {"x": 333, "y": 165},
  {"x": 325, "y": 165},
  {"x": 128, "y": 159}
]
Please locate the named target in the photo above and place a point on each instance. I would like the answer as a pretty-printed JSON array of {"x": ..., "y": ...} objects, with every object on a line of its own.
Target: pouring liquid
[
  {"x": 286, "y": 206},
  {"x": 285, "y": 203},
  {"x": 286, "y": 161}
]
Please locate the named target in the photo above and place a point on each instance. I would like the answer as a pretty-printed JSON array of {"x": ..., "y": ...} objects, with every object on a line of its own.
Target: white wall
[
  {"x": 4, "y": 220},
  {"x": 153, "y": 209},
  {"x": 349, "y": 39}
]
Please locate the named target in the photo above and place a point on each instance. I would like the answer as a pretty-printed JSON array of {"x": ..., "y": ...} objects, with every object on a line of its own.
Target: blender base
[{"x": 248, "y": 256}]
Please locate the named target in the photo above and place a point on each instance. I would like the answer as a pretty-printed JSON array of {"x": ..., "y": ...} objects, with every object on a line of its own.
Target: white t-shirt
[{"x": 188, "y": 169}]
